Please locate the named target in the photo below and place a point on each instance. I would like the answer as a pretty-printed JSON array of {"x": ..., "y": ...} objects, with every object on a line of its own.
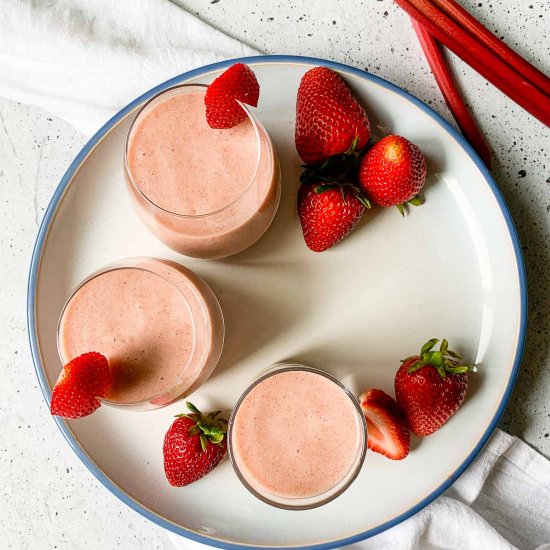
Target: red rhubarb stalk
[
  {"x": 475, "y": 28},
  {"x": 452, "y": 96},
  {"x": 479, "y": 57}
]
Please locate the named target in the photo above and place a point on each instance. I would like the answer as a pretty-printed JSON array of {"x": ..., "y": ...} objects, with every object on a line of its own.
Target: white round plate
[{"x": 451, "y": 268}]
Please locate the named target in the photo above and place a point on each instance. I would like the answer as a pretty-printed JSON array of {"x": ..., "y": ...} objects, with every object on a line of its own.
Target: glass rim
[
  {"x": 116, "y": 266},
  {"x": 355, "y": 468},
  {"x": 256, "y": 124}
]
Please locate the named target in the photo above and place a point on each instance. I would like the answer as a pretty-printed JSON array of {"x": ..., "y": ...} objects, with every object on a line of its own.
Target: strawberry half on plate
[{"x": 387, "y": 429}]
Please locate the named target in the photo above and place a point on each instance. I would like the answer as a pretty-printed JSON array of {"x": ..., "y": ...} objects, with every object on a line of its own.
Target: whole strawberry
[
  {"x": 328, "y": 118},
  {"x": 328, "y": 213},
  {"x": 387, "y": 429},
  {"x": 236, "y": 83},
  {"x": 193, "y": 446},
  {"x": 392, "y": 172},
  {"x": 431, "y": 386}
]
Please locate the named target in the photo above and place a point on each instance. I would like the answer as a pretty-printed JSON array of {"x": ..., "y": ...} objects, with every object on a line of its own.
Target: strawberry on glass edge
[
  {"x": 387, "y": 429},
  {"x": 431, "y": 386},
  {"x": 193, "y": 446},
  {"x": 79, "y": 385},
  {"x": 238, "y": 82}
]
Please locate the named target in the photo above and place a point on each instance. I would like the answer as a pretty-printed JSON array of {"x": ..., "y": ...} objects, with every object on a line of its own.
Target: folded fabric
[
  {"x": 501, "y": 502},
  {"x": 82, "y": 60}
]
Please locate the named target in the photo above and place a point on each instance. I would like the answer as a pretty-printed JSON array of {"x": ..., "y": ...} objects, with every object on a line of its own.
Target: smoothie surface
[
  {"x": 182, "y": 165},
  {"x": 296, "y": 435}
]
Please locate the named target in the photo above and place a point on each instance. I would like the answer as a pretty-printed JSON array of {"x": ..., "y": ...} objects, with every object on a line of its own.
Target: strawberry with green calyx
[
  {"x": 193, "y": 446},
  {"x": 392, "y": 172},
  {"x": 341, "y": 168},
  {"x": 330, "y": 203},
  {"x": 328, "y": 212},
  {"x": 431, "y": 386}
]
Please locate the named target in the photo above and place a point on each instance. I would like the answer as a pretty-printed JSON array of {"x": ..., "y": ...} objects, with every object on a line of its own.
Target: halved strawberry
[
  {"x": 387, "y": 429},
  {"x": 236, "y": 83},
  {"x": 80, "y": 383}
]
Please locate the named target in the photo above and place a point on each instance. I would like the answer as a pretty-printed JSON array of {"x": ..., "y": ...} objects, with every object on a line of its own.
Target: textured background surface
[{"x": 48, "y": 498}]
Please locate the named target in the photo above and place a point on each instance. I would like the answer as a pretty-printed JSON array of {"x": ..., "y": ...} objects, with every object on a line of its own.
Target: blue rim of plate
[{"x": 58, "y": 194}]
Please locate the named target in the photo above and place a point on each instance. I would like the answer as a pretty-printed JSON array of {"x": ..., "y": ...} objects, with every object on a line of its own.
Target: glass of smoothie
[
  {"x": 158, "y": 324},
  {"x": 297, "y": 437},
  {"x": 203, "y": 192}
]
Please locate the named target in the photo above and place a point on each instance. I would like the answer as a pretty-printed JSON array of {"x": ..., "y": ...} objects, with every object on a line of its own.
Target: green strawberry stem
[
  {"x": 208, "y": 427},
  {"x": 325, "y": 187},
  {"x": 361, "y": 196},
  {"x": 417, "y": 200},
  {"x": 337, "y": 172},
  {"x": 444, "y": 360},
  {"x": 353, "y": 146}
]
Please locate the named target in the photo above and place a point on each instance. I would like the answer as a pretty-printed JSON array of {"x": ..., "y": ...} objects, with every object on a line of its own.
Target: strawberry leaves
[
  {"x": 445, "y": 360},
  {"x": 208, "y": 427},
  {"x": 338, "y": 172}
]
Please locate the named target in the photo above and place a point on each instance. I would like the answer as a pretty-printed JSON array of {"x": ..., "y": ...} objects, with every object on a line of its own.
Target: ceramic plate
[{"x": 452, "y": 268}]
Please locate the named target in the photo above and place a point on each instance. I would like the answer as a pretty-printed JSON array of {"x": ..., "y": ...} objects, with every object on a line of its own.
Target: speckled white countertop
[{"x": 49, "y": 499}]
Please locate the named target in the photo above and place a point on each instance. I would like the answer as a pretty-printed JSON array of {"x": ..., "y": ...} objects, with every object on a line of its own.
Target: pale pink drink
[
  {"x": 203, "y": 192},
  {"x": 159, "y": 325},
  {"x": 297, "y": 437}
]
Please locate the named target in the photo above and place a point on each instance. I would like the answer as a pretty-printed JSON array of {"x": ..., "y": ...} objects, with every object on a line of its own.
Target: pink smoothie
[
  {"x": 297, "y": 434},
  {"x": 204, "y": 192},
  {"x": 158, "y": 324}
]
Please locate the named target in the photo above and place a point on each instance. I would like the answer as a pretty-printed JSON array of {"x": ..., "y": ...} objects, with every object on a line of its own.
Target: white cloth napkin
[
  {"x": 501, "y": 502},
  {"x": 82, "y": 60}
]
